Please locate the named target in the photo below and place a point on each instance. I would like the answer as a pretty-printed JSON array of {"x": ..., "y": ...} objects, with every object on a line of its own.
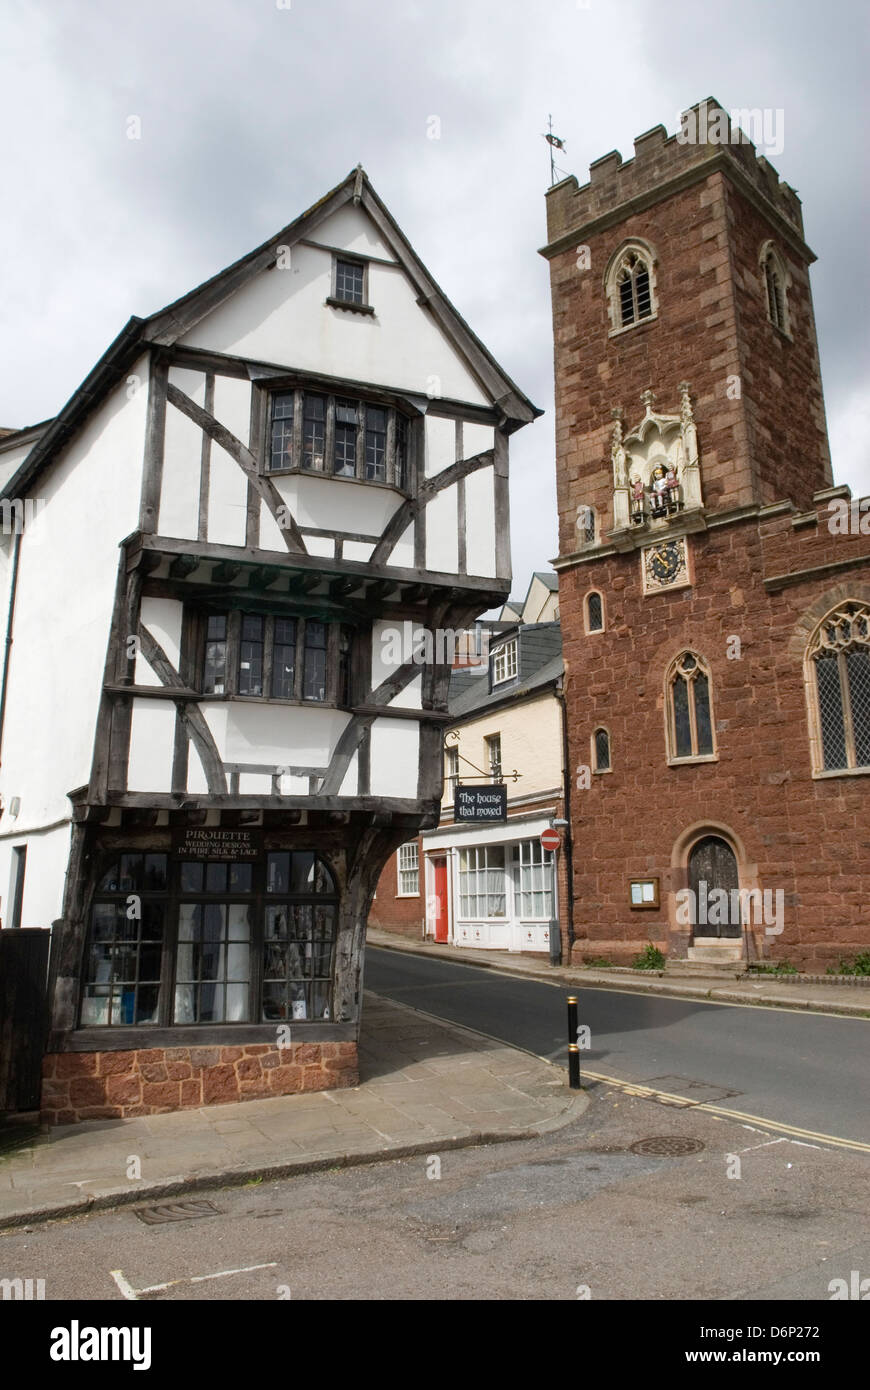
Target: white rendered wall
[
  {"x": 44, "y": 875},
  {"x": 66, "y": 590},
  {"x": 395, "y": 757},
  {"x": 279, "y": 317}
]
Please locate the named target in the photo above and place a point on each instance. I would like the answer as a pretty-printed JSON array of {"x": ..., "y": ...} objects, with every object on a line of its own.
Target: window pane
[
  {"x": 682, "y": 727},
  {"x": 251, "y": 656},
  {"x": 595, "y": 613},
  {"x": 216, "y": 878},
  {"x": 313, "y": 432},
  {"x": 626, "y": 304},
  {"x": 858, "y": 670},
  {"x": 281, "y": 453},
  {"x": 215, "y": 670},
  {"x": 284, "y": 659},
  {"x": 191, "y": 877},
  {"x": 349, "y": 282},
  {"x": 643, "y": 295},
  {"x": 344, "y": 462},
  {"x": 602, "y": 750},
  {"x": 702, "y": 714},
  {"x": 831, "y": 710},
  {"x": 376, "y": 445},
  {"x": 314, "y": 673},
  {"x": 401, "y": 466}
]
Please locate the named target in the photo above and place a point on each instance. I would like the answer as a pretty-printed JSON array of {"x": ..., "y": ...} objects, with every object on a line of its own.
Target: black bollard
[{"x": 573, "y": 1048}]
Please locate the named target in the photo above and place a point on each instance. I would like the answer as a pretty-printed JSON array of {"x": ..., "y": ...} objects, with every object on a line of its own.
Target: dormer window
[
  {"x": 630, "y": 286},
  {"x": 338, "y": 436},
  {"x": 504, "y": 663},
  {"x": 350, "y": 287}
]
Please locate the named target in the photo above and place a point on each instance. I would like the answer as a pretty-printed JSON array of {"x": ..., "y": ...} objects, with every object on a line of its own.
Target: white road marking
[
  {"x": 127, "y": 1290},
  {"x": 133, "y": 1294}
]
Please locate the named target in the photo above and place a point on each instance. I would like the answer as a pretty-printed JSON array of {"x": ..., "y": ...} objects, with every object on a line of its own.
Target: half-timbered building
[{"x": 209, "y": 744}]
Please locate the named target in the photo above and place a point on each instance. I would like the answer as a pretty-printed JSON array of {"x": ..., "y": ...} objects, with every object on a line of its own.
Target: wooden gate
[
  {"x": 23, "y": 1015},
  {"x": 713, "y": 865}
]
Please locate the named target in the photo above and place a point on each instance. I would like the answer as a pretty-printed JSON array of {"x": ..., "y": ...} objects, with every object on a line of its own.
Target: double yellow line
[{"x": 633, "y": 1088}]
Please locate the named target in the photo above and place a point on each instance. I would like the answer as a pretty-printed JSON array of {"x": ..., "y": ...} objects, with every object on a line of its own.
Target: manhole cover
[
  {"x": 176, "y": 1211},
  {"x": 667, "y": 1146}
]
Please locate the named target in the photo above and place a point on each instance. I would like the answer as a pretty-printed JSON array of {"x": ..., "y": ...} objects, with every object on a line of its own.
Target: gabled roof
[
  {"x": 171, "y": 323},
  {"x": 548, "y": 578}
]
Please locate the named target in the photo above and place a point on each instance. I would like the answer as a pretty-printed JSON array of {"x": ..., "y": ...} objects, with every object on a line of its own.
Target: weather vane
[{"x": 555, "y": 143}]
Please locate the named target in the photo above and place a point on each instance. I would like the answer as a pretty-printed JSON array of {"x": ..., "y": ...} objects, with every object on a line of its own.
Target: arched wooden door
[{"x": 712, "y": 867}]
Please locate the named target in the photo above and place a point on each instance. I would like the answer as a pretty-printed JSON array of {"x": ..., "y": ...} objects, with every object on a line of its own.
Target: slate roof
[{"x": 539, "y": 659}]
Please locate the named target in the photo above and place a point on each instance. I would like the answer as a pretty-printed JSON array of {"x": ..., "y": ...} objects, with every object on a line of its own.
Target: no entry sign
[{"x": 550, "y": 839}]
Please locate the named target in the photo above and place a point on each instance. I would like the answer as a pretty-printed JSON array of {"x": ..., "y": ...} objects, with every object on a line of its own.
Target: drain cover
[
  {"x": 176, "y": 1211},
  {"x": 667, "y": 1146}
]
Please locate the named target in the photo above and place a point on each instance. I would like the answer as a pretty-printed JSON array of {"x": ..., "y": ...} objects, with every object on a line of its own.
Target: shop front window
[{"x": 193, "y": 942}]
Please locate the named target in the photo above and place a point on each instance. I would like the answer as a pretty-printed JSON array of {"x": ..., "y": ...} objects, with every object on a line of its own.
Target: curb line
[
  {"x": 240, "y": 1177},
  {"x": 628, "y": 985}
]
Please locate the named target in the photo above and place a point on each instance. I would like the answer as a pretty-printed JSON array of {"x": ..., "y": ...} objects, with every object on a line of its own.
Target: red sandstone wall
[
  {"x": 404, "y": 916},
  {"x": 810, "y": 837},
  {"x": 115, "y": 1085}
]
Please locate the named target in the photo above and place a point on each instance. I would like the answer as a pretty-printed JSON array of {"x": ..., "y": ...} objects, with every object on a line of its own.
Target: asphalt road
[
  {"x": 795, "y": 1068},
  {"x": 575, "y": 1215}
]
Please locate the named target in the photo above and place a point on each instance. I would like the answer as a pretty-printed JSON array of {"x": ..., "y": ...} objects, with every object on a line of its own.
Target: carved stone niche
[{"x": 666, "y": 441}]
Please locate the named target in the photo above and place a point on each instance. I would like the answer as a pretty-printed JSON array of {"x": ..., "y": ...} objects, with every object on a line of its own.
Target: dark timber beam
[{"x": 183, "y": 565}]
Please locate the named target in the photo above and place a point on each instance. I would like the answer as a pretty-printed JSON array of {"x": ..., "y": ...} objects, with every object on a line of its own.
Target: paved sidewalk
[
  {"x": 425, "y": 1086},
  {"x": 717, "y": 987}
]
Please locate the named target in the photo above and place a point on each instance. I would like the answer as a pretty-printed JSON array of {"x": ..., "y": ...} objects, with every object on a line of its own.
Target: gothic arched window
[
  {"x": 689, "y": 708},
  {"x": 776, "y": 281},
  {"x": 630, "y": 285},
  {"x": 839, "y": 689}
]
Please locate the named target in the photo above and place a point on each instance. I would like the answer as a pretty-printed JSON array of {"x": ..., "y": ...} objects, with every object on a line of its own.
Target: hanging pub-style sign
[{"x": 480, "y": 804}]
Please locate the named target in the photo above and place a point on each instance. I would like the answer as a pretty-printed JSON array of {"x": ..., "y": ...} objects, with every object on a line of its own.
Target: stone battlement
[{"x": 706, "y": 134}]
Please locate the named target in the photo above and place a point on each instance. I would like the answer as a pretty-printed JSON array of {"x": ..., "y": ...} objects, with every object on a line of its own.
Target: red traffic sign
[{"x": 550, "y": 839}]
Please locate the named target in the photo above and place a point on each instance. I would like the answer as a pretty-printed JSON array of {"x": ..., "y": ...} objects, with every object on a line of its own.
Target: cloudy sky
[{"x": 251, "y": 109}]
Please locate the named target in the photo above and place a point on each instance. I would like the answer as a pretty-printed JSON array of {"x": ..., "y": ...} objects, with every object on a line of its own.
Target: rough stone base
[{"x": 120, "y": 1085}]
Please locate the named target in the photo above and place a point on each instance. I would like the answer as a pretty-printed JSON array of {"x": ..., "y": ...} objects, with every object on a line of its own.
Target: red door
[{"x": 439, "y": 874}]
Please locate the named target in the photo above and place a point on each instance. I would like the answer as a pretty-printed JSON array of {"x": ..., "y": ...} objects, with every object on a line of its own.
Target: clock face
[{"x": 665, "y": 565}]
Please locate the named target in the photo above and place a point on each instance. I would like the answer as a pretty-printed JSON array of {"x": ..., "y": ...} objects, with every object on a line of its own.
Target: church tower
[{"x": 718, "y": 737}]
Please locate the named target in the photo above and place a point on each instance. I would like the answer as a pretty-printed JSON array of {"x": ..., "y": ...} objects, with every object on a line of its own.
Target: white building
[{"x": 207, "y": 751}]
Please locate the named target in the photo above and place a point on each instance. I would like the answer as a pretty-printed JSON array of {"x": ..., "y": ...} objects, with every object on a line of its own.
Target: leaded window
[
  {"x": 594, "y": 612},
  {"x": 123, "y": 964},
  {"x": 409, "y": 869},
  {"x": 350, "y": 281},
  {"x": 197, "y": 942},
  {"x": 299, "y": 939},
  {"x": 689, "y": 709},
  {"x": 601, "y": 750},
  {"x": 344, "y": 453},
  {"x": 338, "y": 435},
  {"x": 292, "y": 658},
  {"x": 313, "y": 432},
  {"x": 839, "y": 657}
]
